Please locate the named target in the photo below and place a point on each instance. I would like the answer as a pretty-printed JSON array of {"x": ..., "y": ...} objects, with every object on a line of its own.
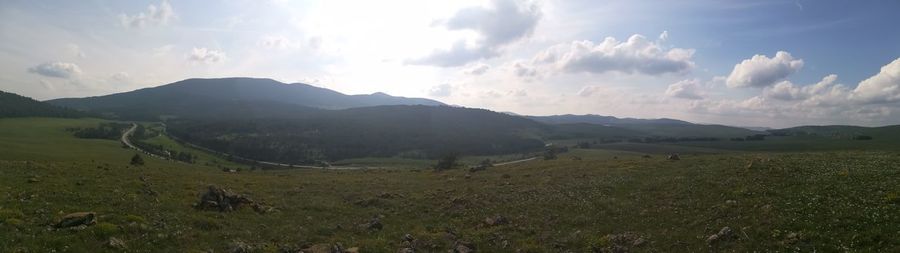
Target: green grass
[
  {"x": 203, "y": 157},
  {"x": 834, "y": 201}
]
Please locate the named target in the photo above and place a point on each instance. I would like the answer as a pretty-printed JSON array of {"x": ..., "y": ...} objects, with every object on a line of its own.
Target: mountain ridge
[{"x": 237, "y": 89}]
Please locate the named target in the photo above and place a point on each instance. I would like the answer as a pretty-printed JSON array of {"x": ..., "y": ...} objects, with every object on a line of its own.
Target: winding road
[{"x": 128, "y": 143}]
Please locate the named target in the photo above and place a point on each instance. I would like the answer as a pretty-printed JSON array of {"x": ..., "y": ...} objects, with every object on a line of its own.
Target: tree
[
  {"x": 447, "y": 162},
  {"x": 550, "y": 154},
  {"x": 136, "y": 160}
]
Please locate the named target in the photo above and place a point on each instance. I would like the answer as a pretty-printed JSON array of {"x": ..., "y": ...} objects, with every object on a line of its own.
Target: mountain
[
  {"x": 380, "y": 131},
  {"x": 602, "y": 120},
  {"x": 192, "y": 97},
  {"x": 13, "y": 105},
  {"x": 841, "y": 132},
  {"x": 648, "y": 127}
]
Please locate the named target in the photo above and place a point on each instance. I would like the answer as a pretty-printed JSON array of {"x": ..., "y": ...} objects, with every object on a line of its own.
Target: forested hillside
[{"x": 13, "y": 105}]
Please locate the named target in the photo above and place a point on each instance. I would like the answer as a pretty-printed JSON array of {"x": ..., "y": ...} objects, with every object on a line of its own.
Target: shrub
[{"x": 105, "y": 230}]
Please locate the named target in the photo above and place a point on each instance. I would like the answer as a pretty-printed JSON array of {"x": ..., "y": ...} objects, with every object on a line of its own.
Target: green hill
[
  {"x": 13, "y": 105},
  {"x": 380, "y": 131}
]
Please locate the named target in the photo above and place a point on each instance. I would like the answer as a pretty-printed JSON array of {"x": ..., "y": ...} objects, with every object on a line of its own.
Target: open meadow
[{"x": 586, "y": 200}]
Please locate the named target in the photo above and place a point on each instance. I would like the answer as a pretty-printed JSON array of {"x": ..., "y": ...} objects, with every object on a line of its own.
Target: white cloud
[
  {"x": 517, "y": 93},
  {"x": 524, "y": 70},
  {"x": 686, "y": 89},
  {"x": 163, "y": 50},
  {"x": 785, "y": 90},
  {"x": 477, "y": 69},
  {"x": 205, "y": 55},
  {"x": 121, "y": 77},
  {"x": 883, "y": 87},
  {"x": 442, "y": 90},
  {"x": 56, "y": 69},
  {"x": 75, "y": 51},
  {"x": 590, "y": 90},
  {"x": 277, "y": 42},
  {"x": 664, "y": 36},
  {"x": 637, "y": 54},
  {"x": 761, "y": 71},
  {"x": 154, "y": 16},
  {"x": 504, "y": 22}
]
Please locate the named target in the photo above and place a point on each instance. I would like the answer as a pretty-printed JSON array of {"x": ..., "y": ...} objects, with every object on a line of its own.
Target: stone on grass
[{"x": 77, "y": 219}]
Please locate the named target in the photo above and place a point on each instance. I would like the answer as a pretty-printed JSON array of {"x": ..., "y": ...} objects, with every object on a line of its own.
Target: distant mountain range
[
  {"x": 603, "y": 120},
  {"x": 649, "y": 127},
  {"x": 198, "y": 97},
  {"x": 299, "y": 123}
]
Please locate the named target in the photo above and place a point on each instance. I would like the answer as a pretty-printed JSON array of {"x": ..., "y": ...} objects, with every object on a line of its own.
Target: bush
[
  {"x": 105, "y": 230},
  {"x": 447, "y": 162},
  {"x": 136, "y": 160}
]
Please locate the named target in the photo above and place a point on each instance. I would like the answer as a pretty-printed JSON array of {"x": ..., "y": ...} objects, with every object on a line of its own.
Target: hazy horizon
[{"x": 765, "y": 63}]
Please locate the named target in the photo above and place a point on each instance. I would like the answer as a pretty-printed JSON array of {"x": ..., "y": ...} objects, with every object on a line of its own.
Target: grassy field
[
  {"x": 204, "y": 158},
  {"x": 820, "y": 201}
]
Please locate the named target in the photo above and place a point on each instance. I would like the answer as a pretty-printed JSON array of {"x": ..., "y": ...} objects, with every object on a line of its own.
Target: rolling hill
[
  {"x": 13, "y": 105},
  {"x": 251, "y": 96},
  {"x": 379, "y": 131},
  {"x": 603, "y": 120},
  {"x": 647, "y": 127}
]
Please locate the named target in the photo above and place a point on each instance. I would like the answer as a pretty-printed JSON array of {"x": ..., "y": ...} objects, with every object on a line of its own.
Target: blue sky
[{"x": 753, "y": 63}]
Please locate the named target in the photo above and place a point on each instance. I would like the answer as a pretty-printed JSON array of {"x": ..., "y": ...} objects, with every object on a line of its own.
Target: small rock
[
  {"x": 116, "y": 243},
  {"x": 374, "y": 224},
  {"x": 77, "y": 219},
  {"x": 240, "y": 247},
  {"x": 496, "y": 221},
  {"x": 33, "y": 180},
  {"x": 731, "y": 202},
  {"x": 463, "y": 247},
  {"x": 352, "y": 250},
  {"x": 724, "y": 234},
  {"x": 318, "y": 248},
  {"x": 674, "y": 157},
  {"x": 638, "y": 242}
]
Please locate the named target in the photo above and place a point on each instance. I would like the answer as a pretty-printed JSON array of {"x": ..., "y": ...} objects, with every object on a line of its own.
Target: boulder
[
  {"x": 77, "y": 219},
  {"x": 673, "y": 157},
  {"x": 223, "y": 200}
]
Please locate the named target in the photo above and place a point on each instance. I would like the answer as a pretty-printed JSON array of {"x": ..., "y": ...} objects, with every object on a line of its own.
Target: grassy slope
[{"x": 837, "y": 201}]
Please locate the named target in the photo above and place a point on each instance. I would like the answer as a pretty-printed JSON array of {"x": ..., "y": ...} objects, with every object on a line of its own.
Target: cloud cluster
[
  {"x": 56, "y": 69},
  {"x": 761, "y": 71},
  {"x": 205, "y": 55},
  {"x": 504, "y": 22},
  {"x": 477, "y": 69},
  {"x": 442, "y": 90},
  {"x": 883, "y": 87},
  {"x": 686, "y": 89},
  {"x": 787, "y": 91},
  {"x": 635, "y": 55},
  {"x": 155, "y": 15},
  {"x": 873, "y": 101}
]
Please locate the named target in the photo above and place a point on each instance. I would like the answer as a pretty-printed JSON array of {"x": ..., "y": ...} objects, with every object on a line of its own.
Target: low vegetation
[{"x": 585, "y": 200}]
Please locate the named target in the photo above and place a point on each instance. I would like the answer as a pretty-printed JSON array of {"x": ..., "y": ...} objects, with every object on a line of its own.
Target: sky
[{"x": 772, "y": 63}]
